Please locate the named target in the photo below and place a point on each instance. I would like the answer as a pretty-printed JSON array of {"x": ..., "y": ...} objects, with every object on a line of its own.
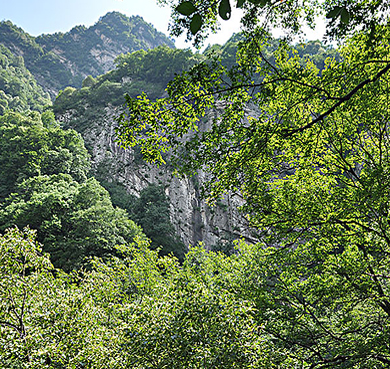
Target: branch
[
  {"x": 10, "y": 325},
  {"x": 289, "y": 133}
]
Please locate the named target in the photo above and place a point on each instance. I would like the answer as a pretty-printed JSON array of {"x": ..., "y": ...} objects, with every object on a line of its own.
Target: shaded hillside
[
  {"x": 65, "y": 59},
  {"x": 141, "y": 71},
  {"x": 19, "y": 90}
]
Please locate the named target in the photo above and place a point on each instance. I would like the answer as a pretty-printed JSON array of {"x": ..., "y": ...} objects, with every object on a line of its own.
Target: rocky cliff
[
  {"x": 61, "y": 60},
  {"x": 194, "y": 220}
]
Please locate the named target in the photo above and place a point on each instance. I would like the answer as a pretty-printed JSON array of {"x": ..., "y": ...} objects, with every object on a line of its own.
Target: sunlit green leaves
[
  {"x": 135, "y": 311},
  {"x": 307, "y": 149}
]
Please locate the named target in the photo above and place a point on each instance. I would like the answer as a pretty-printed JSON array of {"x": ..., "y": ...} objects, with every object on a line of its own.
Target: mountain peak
[
  {"x": 115, "y": 15},
  {"x": 62, "y": 59}
]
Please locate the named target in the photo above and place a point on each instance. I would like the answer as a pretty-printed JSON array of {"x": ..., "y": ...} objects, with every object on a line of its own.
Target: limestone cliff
[{"x": 192, "y": 218}]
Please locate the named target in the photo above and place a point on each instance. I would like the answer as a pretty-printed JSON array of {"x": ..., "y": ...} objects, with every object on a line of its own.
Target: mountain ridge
[{"x": 65, "y": 59}]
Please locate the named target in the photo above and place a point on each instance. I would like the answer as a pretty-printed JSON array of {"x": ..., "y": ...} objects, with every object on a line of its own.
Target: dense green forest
[
  {"x": 19, "y": 90},
  {"x": 93, "y": 277},
  {"x": 65, "y": 59},
  {"x": 44, "y": 185},
  {"x": 148, "y": 71}
]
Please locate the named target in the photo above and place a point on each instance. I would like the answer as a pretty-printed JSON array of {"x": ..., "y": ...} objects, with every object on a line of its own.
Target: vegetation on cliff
[
  {"x": 148, "y": 71},
  {"x": 312, "y": 166},
  {"x": 44, "y": 184},
  {"x": 19, "y": 90}
]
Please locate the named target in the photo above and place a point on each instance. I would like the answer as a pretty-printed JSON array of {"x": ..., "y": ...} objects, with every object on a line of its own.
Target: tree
[
  {"x": 49, "y": 319},
  {"x": 25, "y": 273},
  {"x": 44, "y": 185},
  {"x": 151, "y": 212},
  {"x": 18, "y": 88},
  {"x": 132, "y": 311},
  {"x": 73, "y": 221},
  {"x": 28, "y": 148},
  {"x": 21, "y": 259},
  {"x": 198, "y": 18},
  {"x": 308, "y": 151}
]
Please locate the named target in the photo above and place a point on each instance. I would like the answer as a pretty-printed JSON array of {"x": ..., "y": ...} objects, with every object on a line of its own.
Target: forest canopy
[
  {"x": 302, "y": 136},
  {"x": 307, "y": 148},
  {"x": 44, "y": 185}
]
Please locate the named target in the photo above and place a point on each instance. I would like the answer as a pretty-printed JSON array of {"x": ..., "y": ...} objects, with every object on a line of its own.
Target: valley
[{"x": 224, "y": 208}]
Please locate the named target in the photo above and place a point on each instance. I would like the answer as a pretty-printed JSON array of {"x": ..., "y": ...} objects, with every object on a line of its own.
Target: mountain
[
  {"x": 91, "y": 111},
  {"x": 66, "y": 59},
  {"x": 92, "y": 69}
]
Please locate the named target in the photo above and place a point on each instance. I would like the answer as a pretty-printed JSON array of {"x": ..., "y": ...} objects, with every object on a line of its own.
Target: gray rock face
[{"x": 193, "y": 219}]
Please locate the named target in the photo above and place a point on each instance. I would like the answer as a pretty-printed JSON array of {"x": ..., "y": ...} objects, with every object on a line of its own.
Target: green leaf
[
  {"x": 240, "y": 3},
  {"x": 195, "y": 24},
  {"x": 225, "y": 10},
  {"x": 186, "y": 8},
  {"x": 334, "y": 13},
  {"x": 345, "y": 17},
  {"x": 258, "y": 2}
]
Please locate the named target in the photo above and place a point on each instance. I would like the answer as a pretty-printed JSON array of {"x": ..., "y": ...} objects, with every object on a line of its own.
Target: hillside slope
[
  {"x": 65, "y": 59},
  {"x": 19, "y": 90}
]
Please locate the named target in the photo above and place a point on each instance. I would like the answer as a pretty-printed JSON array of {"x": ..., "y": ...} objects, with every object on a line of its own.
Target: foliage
[
  {"x": 303, "y": 138},
  {"x": 118, "y": 193},
  {"x": 89, "y": 81},
  {"x": 212, "y": 311},
  {"x": 199, "y": 18},
  {"x": 44, "y": 185},
  {"x": 148, "y": 71},
  {"x": 73, "y": 220},
  {"x": 49, "y": 119},
  {"x": 151, "y": 212},
  {"x": 28, "y": 148},
  {"x": 14, "y": 38},
  {"x": 21, "y": 260},
  {"x": 63, "y": 325},
  {"x": 308, "y": 151},
  {"x": 19, "y": 90},
  {"x": 259, "y": 308},
  {"x": 157, "y": 66},
  {"x": 64, "y": 59},
  {"x": 132, "y": 33},
  {"x": 315, "y": 51},
  {"x": 138, "y": 311}
]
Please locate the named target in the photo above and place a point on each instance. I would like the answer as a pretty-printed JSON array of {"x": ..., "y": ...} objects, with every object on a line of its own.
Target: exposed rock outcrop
[{"x": 194, "y": 220}]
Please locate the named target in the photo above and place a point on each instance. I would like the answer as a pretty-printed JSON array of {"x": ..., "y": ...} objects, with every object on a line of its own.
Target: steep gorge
[
  {"x": 92, "y": 69},
  {"x": 194, "y": 220}
]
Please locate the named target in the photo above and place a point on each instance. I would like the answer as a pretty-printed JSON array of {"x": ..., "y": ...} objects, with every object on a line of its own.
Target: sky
[{"x": 50, "y": 16}]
